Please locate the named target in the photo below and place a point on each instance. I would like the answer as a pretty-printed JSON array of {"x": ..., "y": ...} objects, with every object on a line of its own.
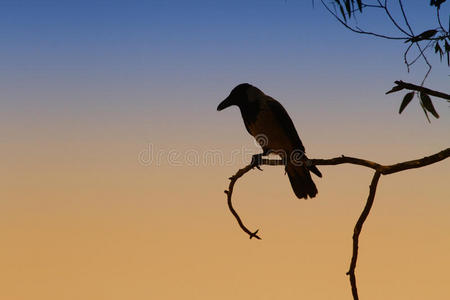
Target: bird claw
[
  {"x": 256, "y": 161},
  {"x": 256, "y": 165}
]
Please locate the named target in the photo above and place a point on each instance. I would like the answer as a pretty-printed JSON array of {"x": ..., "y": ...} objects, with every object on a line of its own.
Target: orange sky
[{"x": 84, "y": 218}]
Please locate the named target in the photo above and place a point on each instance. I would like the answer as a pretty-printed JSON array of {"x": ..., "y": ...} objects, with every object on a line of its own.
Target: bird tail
[
  {"x": 315, "y": 171},
  {"x": 301, "y": 181}
]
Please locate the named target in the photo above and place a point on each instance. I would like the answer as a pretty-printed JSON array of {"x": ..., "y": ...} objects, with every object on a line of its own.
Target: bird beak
[{"x": 225, "y": 103}]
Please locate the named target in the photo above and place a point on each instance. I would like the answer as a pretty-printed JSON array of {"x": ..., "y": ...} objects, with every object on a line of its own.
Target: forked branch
[{"x": 379, "y": 170}]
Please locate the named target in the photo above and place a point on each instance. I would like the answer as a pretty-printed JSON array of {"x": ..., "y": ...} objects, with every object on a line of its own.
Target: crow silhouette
[{"x": 267, "y": 120}]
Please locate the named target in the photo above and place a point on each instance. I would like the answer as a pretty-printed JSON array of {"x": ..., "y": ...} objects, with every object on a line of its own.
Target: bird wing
[
  {"x": 288, "y": 127},
  {"x": 285, "y": 122}
]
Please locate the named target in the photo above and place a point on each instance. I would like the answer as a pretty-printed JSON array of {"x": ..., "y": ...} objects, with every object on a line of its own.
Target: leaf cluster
[
  {"x": 347, "y": 8},
  {"x": 437, "y": 38},
  {"x": 424, "y": 100}
]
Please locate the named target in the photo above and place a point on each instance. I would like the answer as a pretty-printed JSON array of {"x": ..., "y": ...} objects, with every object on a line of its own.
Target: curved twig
[{"x": 229, "y": 193}]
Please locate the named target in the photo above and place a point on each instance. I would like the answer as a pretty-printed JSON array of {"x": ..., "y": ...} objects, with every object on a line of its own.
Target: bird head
[{"x": 240, "y": 95}]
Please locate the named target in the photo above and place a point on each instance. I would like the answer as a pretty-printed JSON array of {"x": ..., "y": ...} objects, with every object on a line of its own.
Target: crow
[{"x": 269, "y": 123}]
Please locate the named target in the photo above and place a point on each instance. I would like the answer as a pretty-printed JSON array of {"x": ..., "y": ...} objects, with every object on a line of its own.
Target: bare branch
[
  {"x": 359, "y": 30},
  {"x": 346, "y": 160},
  {"x": 357, "y": 231},
  {"x": 409, "y": 86},
  {"x": 426, "y": 61},
  {"x": 421, "y": 52},
  {"x": 404, "y": 17},
  {"x": 438, "y": 16},
  {"x": 391, "y": 18},
  {"x": 405, "y": 57},
  {"x": 416, "y": 163},
  {"x": 379, "y": 170},
  {"x": 229, "y": 193},
  {"x": 382, "y": 169},
  {"x": 385, "y": 169}
]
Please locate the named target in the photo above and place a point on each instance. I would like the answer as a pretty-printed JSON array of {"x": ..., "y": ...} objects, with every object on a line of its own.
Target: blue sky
[{"x": 130, "y": 52}]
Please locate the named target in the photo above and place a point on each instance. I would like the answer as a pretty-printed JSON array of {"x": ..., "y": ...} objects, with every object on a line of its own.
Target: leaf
[
  {"x": 437, "y": 3},
  {"x": 395, "y": 89},
  {"x": 423, "y": 36},
  {"x": 428, "y": 104},
  {"x": 359, "y": 5},
  {"x": 342, "y": 10},
  {"x": 447, "y": 49},
  {"x": 446, "y": 46},
  {"x": 437, "y": 48},
  {"x": 425, "y": 112},
  {"x": 427, "y": 34},
  {"x": 406, "y": 99},
  {"x": 348, "y": 7}
]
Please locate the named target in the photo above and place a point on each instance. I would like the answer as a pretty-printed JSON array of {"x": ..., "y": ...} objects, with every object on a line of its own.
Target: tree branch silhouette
[
  {"x": 229, "y": 192},
  {"x": 437, "y": 39},
  {"x": 357, "y": 231},
  {"x": 400, "y": 85},
  {"x": 379, "y": 170}
]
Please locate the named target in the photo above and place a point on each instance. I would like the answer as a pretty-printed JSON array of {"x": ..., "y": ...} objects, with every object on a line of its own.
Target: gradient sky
[{"x": 90, "y": 88}]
